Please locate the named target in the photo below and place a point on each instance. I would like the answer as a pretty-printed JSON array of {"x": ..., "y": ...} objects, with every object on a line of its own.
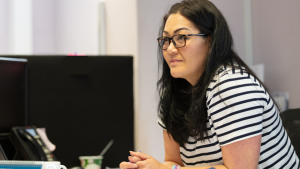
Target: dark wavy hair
[{"x": 182, "y": 107}]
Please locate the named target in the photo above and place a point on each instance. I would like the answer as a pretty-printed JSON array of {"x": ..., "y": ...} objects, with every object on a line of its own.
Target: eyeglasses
[{"x": 179, "y": 40}]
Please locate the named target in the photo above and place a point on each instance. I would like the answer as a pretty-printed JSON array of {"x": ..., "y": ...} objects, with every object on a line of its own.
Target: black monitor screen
[{"x": 12, "y": 93}]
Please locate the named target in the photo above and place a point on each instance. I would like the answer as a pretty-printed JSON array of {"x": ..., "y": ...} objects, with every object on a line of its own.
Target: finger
[
  {"x": 142, "y": 156},
  {"x": 126, "y": 165},
  {"x": 134, "y": 159},
  {"x": 140, "y": 164}
]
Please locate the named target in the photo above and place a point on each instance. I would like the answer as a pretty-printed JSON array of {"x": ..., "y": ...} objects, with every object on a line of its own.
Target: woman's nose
[{"x": 171, "y": 48}]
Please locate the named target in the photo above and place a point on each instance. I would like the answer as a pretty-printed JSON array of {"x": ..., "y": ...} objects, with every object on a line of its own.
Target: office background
[{"x": 264, "y": 32}]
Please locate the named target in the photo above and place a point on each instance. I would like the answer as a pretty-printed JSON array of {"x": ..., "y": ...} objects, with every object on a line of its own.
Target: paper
[{"x": 42, "y": 133}]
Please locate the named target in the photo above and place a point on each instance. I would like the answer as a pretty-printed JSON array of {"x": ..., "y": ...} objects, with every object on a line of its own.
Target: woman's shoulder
[
  {"x": 230, "y": 76},
  {"x": 226, "y": 72},
  {"x": 233, "y": 84},
  {"x": 230, "y": 70}
]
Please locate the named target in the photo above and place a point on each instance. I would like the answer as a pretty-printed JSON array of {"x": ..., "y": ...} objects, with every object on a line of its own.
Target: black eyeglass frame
[{"x": 184, "y": 35}]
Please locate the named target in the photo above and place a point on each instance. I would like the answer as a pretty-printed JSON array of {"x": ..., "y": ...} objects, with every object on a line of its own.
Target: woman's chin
[{"x": 175, "y": 74}]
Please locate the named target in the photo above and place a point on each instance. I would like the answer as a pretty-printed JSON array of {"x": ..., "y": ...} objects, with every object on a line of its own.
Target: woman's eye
[
  {"x": 166, "y": 39},
  {"x": 180, "y": 37}
]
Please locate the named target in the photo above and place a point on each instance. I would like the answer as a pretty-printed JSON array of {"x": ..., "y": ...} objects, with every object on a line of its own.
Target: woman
[{"x": 214, "y": 111}]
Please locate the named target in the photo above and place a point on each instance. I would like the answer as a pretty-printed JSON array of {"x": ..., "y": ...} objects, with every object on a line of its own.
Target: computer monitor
[
  {"x": 13, "y": 90},
  {"x": 83, "y": 102}
]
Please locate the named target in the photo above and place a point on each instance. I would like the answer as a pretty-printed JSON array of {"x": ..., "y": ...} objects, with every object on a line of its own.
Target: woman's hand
[
  {"x": 134, "y": 159},
  {"x": 131, "y": 163},
  {"x": 127, "y": 165},
  {"x": 147, "y": 162}
]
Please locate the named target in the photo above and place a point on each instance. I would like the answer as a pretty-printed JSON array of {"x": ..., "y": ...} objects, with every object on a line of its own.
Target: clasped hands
[{"x": 141, "y": 161}]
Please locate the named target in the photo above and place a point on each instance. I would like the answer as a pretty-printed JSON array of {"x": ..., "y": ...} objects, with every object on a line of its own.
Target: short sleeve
[{"x": 235, "y": 104}]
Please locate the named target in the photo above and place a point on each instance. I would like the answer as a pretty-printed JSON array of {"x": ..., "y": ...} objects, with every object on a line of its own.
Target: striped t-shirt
[{"x": 238, "y": 108}]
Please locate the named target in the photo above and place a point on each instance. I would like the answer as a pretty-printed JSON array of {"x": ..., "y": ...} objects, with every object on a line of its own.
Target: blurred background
[{"x": 265, "y": 34}]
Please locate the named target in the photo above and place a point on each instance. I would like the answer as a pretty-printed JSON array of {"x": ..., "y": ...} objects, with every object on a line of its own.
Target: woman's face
[{"x": 189, "y": 61}]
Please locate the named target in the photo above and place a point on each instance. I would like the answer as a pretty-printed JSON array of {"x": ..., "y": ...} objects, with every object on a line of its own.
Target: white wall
[
  {"x": 76, "y": 26},
  {"x": 15, "y": 27},
  {"x": 54, "y": 27},
  {"x": 43, "y": 17},
  {"x": 20, "y": 27},
  {"x": 233, "y": 11},
  {"x": 276, "y": 40},
  {"x": 121, "y": 27},
  {"x": 3, "y": 27}
]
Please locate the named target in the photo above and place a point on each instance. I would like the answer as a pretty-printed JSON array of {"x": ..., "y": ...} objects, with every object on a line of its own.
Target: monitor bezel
[{"x": 25, "y": 62}]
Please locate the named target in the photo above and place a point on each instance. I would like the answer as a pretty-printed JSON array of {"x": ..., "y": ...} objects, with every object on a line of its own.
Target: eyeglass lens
[{"x": 178, "y": 41}]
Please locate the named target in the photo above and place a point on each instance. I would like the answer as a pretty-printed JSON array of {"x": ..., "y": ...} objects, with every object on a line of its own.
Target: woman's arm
[
  {"x": 241, "y": 154},
  {"x": 172, "y": 154},
  {"x": 172, "y": 157},
  {"x": 172, "y": 151}
]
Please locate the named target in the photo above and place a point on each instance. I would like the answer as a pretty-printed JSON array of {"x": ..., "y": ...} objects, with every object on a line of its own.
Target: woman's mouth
[{"x": 174, "y": 61}]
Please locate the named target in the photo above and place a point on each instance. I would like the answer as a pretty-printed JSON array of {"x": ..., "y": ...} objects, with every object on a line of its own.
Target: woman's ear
[{"x": 208, "y": 40}]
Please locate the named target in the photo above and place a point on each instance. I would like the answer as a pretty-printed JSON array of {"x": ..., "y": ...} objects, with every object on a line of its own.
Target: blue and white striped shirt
[{"x": 238, "y": 108}]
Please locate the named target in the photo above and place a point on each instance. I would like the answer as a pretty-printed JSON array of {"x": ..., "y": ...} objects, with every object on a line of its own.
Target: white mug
[{"x": 53, "y": 165}]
